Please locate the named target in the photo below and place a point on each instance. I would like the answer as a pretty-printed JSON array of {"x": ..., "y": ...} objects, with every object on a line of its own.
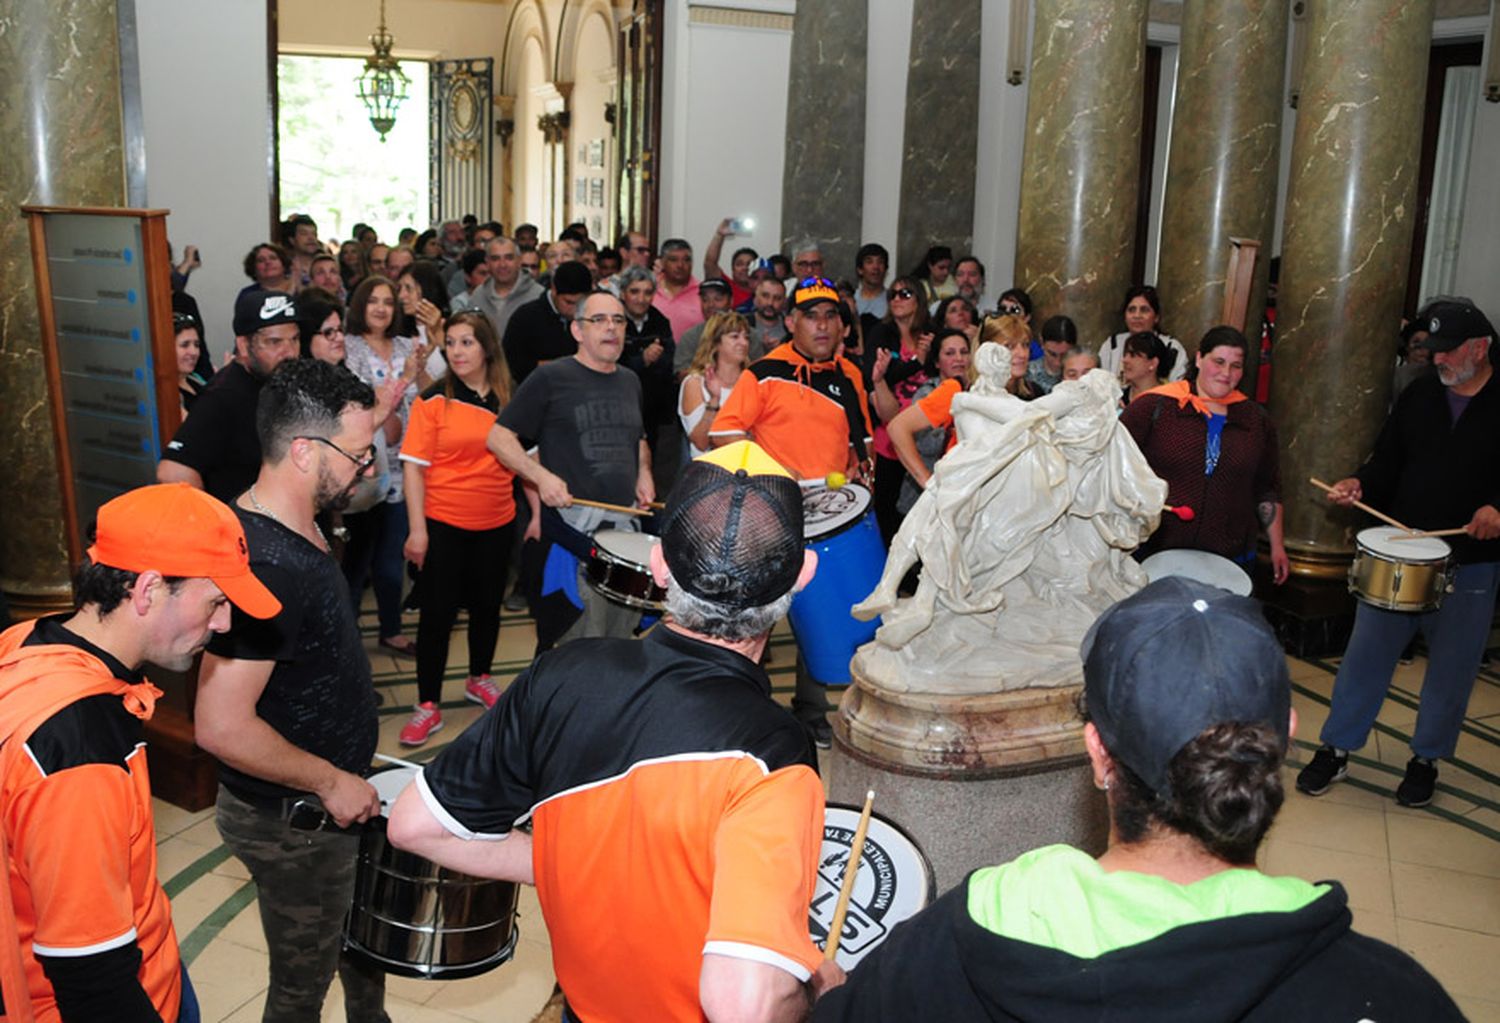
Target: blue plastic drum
[{"x": 840, "y": 526}]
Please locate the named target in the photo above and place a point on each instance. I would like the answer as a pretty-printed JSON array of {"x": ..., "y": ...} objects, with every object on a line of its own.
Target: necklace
[{"x": 268, "y": 513}]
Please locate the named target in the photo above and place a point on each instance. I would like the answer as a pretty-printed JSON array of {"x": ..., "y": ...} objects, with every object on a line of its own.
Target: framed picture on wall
[
  {"x": 596, "y": 192},
  {"x": 596, "y": 226},
  {"x": 581, "y": 191},
  {"x": 596, "y": 152}
]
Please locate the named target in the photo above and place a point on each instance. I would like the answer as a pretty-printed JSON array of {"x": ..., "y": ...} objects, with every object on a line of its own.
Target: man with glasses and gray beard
[
  {"x": 288, "y": 705},
  {"x": 583, "y": 416}
]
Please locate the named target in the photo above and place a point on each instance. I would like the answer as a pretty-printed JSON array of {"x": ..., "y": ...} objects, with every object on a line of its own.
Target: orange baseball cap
[{"x": 178, "y": 530}]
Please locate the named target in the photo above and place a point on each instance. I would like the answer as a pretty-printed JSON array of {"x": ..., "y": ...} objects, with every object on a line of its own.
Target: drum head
[
  {"x": 1199, "y": 565},
  {"x": 389, "y": 783},
  {"x": 634, "y": 548},
  {"x": 1382, "y": 540},
  {"x": 894, "y": 882},
  {"x": 826, "y": 511}
]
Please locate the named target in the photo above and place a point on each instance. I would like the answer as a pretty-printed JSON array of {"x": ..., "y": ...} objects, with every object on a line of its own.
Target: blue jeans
[
  {"x": 374, "y": 554},
  {"x": 1456, "y": 636}
]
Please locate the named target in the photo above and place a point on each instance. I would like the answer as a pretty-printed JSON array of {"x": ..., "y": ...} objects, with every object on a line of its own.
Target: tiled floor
[{"x": 1426, "y": 880}]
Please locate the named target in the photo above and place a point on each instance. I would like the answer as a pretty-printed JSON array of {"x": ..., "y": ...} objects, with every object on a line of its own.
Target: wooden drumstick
[
  {"x": 622, "y": 509},
  {"x": 1432, "y": 532},
  {"x": 851, "y": 871},
  {"x": 398, "y": 761},
  {"x": 1365, "y": 508}
]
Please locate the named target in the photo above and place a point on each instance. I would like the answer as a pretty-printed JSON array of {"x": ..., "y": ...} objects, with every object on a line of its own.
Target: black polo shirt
[{"x": 218, "y": 441}]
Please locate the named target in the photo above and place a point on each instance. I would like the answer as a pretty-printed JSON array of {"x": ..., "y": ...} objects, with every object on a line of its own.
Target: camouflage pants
[{"x": 305, "y": 882}]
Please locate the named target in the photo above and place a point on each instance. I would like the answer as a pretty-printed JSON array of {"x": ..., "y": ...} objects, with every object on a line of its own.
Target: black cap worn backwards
[{"x": 1174, "y": 659}]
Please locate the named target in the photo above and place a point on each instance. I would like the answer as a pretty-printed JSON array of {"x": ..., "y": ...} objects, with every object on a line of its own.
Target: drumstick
[
  {"x": 622, "y": 509},
  {"x": 398, "y": 761},
  {"x": 851, "y": 871},
  {"x": 1365, "y": 508},
  {"x": 1431, "y": 532}
]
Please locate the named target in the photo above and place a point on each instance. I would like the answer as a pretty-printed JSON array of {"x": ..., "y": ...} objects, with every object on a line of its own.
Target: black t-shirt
[
  {"x": 586, "y": 424},
  {"x": 218, "y": 440},
  {"x": 320, "y": 697},
  {"x": 536, "y": 333}
]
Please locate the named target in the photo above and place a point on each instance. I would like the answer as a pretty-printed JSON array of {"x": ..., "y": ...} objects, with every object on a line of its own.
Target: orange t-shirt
[
  {"x": 466, "y": 486},
  {"x": 80, "y": 833},
  {"x": 804, "y": 414},
  {"x": 937, "y": 406}
]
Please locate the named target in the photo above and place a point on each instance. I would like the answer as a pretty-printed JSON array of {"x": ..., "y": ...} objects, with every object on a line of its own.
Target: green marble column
[
  {"x": 1076, "y": 236},
  {"x": 1347, "y": 241},
  {"x": 823, "y": 190},
  {"x": 1221, "y": 171},
  {"x": 942, "y": 131},
  {"x": 60, "y": 132}
]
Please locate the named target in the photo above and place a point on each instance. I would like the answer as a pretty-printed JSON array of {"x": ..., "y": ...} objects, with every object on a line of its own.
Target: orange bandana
[{"x": 1182, "y": 392}]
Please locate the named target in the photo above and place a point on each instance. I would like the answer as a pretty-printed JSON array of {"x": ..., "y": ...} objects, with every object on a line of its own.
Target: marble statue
[{"x": 1024, "y": 534}]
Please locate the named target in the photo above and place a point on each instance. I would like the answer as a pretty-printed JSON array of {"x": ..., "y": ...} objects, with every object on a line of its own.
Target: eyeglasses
[
  {"x": 601, "y": 319},
  {"x": 331, "y": 333},
  {"x": 1006, "y": 309},
  {"x": 360, "y": 464},
  {"x": 903, "y": 293}
]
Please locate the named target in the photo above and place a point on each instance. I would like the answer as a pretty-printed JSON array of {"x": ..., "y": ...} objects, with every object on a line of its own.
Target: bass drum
[
  {"x": 895, "y": 881},
  {"x": 416, "y": 919}
]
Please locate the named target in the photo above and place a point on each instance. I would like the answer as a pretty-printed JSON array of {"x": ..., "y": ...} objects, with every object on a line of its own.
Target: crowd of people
[{"x": 469, "y": 406}]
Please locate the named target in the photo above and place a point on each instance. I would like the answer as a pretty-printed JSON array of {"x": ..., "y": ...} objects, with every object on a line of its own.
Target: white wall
[
  {"x": 889, "y": 51},
  {"x": 1479, "y": 246},
  {"x": 593, "y": 86},
  {"x": 207, "y": 146},
  {"x": 723, "y": 125}
]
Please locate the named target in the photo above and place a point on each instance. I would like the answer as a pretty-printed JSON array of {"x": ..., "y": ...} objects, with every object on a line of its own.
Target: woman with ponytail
[{"x": 1188, "y": 717}]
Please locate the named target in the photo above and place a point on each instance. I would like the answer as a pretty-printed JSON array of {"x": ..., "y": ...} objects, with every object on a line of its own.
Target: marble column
[
  {"x": 1347, "y": 241},
  {"x": 60, "y": 131},
  {"x": 1076, "y": 235},
  {"x": 823, "y": 189},
  {"x": 1221, "y": 171},
  {"x": 942, "y": 131}
]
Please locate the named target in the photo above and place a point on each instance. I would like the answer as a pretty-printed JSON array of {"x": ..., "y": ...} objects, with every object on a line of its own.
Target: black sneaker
[
  {"x": 821, "y": 732},
  {"x": 1416, "y": 788},
  {"x": 1328, "y": 766}
]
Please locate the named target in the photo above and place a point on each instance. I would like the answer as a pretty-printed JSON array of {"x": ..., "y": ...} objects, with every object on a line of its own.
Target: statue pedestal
[{"x": 975, "y": 779}]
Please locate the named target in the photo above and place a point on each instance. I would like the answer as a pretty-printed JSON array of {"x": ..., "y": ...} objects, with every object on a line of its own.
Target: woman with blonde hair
[
  {"x": 1015, "y": 334},
  {"x": 722, "y": 355},
  {"x": 460, "y": 509}
]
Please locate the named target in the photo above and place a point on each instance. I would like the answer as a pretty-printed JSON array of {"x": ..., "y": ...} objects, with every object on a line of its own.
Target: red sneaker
[
  {"x": 481, "y": 689},
  {"x": 423, "y": 723}
]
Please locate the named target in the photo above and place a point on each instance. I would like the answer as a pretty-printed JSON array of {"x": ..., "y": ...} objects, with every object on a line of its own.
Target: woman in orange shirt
[
  {"x": 953, "y": 367},
  {"x": 461, "y": 513}
]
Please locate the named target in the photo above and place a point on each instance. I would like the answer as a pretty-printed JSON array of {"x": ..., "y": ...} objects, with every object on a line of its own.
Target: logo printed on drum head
[{"x": 893, "y": 882}]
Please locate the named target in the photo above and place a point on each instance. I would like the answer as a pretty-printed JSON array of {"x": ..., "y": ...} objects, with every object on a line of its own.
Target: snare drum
[
  {"x": 840, "y": 525},
  {"x": 1200, "y": 565},
  {"x": 1400, "y": 575},
  {"x": 894, "y": 882},
  {"x": 414, "y": 918},
  {"x": 620, "y": 568}
]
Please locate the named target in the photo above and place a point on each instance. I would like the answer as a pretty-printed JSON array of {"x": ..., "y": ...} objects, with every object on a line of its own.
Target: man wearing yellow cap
[
  {"x": 85, "y": 928},
  {"x": 676, "y": 809}
]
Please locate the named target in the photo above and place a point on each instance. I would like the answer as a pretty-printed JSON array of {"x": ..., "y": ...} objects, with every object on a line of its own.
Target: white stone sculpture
[{"x": 1024, "y": 534}]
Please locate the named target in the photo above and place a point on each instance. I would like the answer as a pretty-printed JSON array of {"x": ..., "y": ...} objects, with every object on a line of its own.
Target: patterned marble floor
[{"x": 1426, "y": 880}]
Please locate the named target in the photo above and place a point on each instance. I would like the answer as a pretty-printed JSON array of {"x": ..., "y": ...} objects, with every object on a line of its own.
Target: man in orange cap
[{"x": 85, "y": 928}]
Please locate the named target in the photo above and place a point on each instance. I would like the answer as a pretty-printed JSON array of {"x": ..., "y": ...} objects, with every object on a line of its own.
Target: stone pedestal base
[{"x": 976, "y": 780}]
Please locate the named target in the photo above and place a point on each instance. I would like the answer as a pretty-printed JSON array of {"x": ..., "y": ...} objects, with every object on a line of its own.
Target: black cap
[
  {"x": 1450, "y": 322},
  {"x": 256, "y": 309},
  {"x": 715, "y": 284},
  {"x": 572, "y": 278},
  {"x": 732, "y": 529},
  {"x": 1174, "y": 659}
]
